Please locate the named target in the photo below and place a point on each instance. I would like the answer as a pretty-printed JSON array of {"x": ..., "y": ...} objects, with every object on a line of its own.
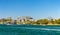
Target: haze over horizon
[{"x": 35, "y": 8}]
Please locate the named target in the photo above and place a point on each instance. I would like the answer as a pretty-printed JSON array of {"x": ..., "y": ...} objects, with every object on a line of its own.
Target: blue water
[{"x": 29, "y": 30}]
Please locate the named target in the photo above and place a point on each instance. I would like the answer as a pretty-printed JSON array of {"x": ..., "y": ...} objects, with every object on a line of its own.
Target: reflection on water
[{"x": 29, "y": 30}]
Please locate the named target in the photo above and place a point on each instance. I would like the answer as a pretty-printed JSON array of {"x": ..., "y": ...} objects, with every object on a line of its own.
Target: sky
[{"x": 34, "y": 8}]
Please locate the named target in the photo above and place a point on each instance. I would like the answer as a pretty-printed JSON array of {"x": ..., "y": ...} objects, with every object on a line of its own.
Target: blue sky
[{"x": 34, "y": 8}]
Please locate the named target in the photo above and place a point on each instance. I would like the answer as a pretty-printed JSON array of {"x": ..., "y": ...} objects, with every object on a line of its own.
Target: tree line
[{"x": 43, "y": 21}]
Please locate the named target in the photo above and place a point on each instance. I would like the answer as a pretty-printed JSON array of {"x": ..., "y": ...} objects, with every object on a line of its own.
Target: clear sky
[{"x": 34, "y": 8}]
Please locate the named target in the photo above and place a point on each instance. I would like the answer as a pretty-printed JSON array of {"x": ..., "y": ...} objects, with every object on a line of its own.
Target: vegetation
[
  {"x": 42, "y": 21},
  {"x": 29, "y": 20}
]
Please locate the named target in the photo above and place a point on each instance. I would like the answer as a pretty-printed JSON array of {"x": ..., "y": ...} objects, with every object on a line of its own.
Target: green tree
[
  {"x": 58, "y": 21},
  {"x": 42, "y": 21}
]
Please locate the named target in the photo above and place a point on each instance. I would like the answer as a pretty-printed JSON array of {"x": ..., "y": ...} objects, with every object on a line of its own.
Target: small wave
[
  {"x": 37, "y": 28},
  {"x": 45, "y": 29},
  {"x": 50, "y": 29}
]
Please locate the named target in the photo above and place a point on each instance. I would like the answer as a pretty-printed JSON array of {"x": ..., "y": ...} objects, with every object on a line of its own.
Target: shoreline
[{"x": 32, "y": 24}]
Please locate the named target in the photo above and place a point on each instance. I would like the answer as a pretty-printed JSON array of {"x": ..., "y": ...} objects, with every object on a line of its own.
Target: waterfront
[{"x": 29, "y": 30}]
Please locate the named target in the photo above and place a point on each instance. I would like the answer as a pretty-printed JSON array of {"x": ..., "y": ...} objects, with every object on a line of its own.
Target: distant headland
[{"x": 30, "y": 20}]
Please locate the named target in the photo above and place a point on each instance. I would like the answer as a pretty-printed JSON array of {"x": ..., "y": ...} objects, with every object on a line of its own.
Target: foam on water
[{"x": 41, "y": 29}]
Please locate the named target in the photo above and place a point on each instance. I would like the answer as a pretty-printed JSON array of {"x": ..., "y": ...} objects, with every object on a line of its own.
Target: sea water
[{"x": 29, "y": 30}]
